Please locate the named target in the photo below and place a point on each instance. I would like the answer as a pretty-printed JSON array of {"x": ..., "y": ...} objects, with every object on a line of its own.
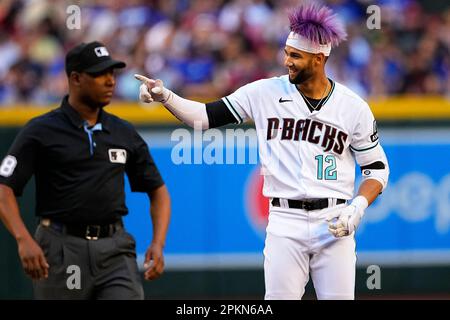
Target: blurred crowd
[{"x": 207, "y": 49}]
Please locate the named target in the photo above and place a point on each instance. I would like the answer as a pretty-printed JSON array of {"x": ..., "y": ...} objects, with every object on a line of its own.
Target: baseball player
[{"x": 311, "y": 130}]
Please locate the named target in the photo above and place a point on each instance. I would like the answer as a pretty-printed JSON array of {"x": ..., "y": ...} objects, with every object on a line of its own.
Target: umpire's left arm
[{"x": 160, "y": 213}]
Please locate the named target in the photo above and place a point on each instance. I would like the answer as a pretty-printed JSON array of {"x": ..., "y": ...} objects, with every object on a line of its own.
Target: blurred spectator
[{"x": 208, "y": 49}]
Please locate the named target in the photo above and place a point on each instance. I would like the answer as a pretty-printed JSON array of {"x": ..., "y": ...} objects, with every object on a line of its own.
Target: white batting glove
[
  {"x": 348, "y": 218},
  {"x": 152, "y": 90}
]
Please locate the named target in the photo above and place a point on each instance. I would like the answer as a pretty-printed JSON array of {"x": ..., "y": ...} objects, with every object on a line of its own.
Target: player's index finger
[{"x": 144, "y": 79}]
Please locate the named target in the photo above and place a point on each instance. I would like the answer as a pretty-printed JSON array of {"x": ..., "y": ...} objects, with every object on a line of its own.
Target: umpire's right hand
[{"x": 33, "y": 259}]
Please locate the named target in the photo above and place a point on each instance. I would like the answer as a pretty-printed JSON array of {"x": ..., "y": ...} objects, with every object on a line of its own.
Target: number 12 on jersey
[{"x": 330, "y": 172}]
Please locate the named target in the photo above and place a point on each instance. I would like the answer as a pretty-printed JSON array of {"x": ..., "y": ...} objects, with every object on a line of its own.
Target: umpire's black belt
[
  {"x": 308, "y": 205},
  {"x": 87, "y": 231}
]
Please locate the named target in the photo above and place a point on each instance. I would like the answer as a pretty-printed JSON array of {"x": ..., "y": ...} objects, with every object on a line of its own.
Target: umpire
[{"x": 79, "y": 154}]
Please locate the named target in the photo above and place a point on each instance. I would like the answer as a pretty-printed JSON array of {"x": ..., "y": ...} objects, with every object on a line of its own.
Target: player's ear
[{"x": 319, "y": 58}]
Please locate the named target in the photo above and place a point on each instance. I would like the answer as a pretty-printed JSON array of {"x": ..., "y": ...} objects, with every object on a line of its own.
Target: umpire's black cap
[{"x": 92, "y": 57}]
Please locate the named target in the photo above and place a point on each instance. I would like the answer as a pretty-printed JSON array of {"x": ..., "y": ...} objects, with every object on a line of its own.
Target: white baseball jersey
[{"x": 304, "y": 154}]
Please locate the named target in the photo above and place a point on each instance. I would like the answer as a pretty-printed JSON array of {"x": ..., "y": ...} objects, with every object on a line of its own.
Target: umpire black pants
[{"x": 88, "y": 269}]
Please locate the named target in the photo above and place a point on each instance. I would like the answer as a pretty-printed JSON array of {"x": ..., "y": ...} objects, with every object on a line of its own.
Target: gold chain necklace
[{"x": 307, "y": 101}]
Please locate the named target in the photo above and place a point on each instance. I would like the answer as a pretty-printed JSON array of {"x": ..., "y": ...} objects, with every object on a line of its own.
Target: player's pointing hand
[{"x": 151, "y": 90}]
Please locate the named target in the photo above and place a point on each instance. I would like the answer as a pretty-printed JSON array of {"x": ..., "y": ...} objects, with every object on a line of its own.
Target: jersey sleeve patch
[{"x": 374, "y": 135}]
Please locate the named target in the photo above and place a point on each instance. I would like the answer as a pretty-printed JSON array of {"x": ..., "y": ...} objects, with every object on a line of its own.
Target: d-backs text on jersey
[{"x": 313, "y": 131}]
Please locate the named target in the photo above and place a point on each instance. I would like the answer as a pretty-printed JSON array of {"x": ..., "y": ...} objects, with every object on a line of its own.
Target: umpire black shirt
[{"x": 79, "y": 170}]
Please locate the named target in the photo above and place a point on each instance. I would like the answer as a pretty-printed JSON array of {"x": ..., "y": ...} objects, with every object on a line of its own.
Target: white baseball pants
[{"x": 298, "y": 243}]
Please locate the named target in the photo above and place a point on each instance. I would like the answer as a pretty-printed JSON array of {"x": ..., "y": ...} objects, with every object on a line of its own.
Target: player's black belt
[
  {"x": 308, "y": 205},
  {"x": 87, "y": 231}
]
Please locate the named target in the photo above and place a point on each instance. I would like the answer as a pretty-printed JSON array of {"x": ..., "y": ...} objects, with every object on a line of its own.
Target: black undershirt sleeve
[
  {"x": 374, "y": 166},
  {"x": 219, "y": 115}
]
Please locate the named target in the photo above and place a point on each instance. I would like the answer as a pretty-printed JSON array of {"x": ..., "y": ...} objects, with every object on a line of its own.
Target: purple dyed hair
[{"x": 318, "y": 24}]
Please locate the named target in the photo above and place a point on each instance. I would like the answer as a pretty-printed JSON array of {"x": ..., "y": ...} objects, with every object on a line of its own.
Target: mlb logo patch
[
  {"x": 117, "y": 155},
  {"x": 101, "y": 51}
]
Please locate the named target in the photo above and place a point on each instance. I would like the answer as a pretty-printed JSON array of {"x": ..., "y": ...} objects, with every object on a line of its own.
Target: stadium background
[{"x": 207, "y": 49}]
